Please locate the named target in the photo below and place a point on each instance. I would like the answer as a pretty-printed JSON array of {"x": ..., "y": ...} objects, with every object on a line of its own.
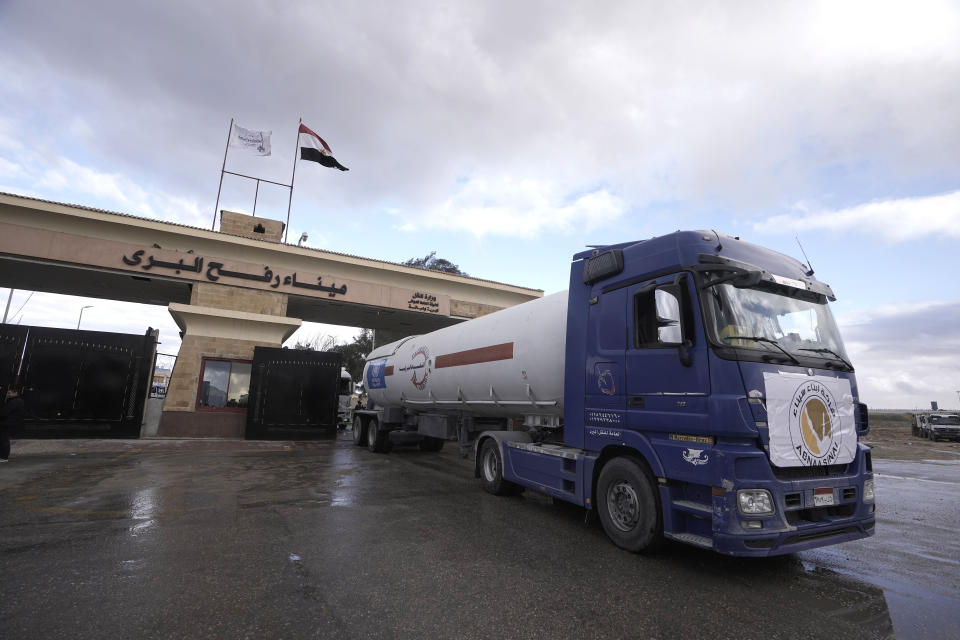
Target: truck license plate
[{"x": 823, "y": 497}]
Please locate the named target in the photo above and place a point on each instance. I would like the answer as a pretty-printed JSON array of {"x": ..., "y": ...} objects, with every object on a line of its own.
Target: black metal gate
[
  {"x": 293, "y": 394},
  {"x": 89, "y": 384}
]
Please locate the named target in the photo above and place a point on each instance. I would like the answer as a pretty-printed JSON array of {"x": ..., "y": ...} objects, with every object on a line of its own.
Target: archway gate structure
[{"x": 229, "y": 291}]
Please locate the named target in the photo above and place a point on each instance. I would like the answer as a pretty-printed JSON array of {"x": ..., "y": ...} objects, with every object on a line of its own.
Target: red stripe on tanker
[
  {"x": 476, "y": 356},
  {"x": 508, "y": 363}
]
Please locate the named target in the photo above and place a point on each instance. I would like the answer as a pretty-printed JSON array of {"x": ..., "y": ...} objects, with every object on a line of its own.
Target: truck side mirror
[
  {"x": 669, "y": 329},
  {"x": 670, "y": 321}
]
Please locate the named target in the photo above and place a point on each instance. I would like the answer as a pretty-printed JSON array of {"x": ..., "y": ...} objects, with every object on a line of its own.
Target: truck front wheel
[
  {"x": 358, "y": 433},
  {"x": 491, "y": 470},
  {"x": 627, "y": 506}
]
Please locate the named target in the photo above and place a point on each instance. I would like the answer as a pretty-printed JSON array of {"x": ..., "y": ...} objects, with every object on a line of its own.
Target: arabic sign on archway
[
  {"x": 197, "y": 267},
  {"x": 67, "y": 248}
]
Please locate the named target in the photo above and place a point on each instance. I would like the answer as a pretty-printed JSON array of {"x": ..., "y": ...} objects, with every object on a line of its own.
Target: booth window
[{"x": 224, "y": 385}]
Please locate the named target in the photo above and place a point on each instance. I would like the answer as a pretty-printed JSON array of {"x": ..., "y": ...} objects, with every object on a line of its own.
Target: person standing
[{"x": 11, "y": 417}]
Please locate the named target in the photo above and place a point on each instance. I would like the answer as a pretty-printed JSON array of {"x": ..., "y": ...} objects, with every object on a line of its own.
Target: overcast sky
[{"x": 508, "y": 135}]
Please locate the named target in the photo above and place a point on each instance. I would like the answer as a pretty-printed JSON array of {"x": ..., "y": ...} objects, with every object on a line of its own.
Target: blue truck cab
[{"x": 708, "y": 399}]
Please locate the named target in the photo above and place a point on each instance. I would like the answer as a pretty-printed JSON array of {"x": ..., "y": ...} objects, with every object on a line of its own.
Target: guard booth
[
  {"x": 80, "y": 384},
  {"x": 293, "y": 394}
]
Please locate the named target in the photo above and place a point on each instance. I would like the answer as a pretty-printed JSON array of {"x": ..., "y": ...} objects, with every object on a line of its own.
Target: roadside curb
[{"x": 76, "y": 446}]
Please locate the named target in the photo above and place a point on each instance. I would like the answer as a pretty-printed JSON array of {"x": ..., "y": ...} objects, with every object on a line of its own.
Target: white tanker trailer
[{"x": 507, "y": 365}]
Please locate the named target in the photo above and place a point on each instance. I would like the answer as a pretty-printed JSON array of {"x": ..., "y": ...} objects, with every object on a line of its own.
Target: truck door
[
  {"x": 605, "y": 397},
  {"x": 667, "y": 374}
]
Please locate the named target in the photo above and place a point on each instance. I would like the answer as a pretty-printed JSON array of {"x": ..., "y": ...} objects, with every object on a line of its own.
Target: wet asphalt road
[{"x": 328, "y": 540}]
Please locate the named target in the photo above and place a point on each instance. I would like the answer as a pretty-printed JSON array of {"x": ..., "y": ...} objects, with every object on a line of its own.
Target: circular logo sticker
[
  {"x": 815, "y": 425},
  {"x": 418, "y": 365}
]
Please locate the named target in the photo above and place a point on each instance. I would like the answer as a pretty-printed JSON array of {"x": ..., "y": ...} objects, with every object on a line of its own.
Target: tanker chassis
[{"x": 691, "y": 387}]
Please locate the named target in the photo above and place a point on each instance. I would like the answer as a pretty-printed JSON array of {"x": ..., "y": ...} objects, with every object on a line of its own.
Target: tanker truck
[
  {"x": 691, "y": 387},
  {"x": 344, "y": 399}
]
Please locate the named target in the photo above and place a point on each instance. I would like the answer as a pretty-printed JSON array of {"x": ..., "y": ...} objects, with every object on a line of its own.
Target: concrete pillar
[{"x": 231, "y": 323}]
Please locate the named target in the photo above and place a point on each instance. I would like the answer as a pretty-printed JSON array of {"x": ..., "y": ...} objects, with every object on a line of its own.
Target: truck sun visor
[
  {"x": 602, "y": 265},
  {"x": 742, "y": 272}
]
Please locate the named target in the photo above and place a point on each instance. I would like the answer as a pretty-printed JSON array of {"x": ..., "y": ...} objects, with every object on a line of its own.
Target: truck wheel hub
[
  {"x": 490, "y": 466},
  {"x": 623, "y": 506}
]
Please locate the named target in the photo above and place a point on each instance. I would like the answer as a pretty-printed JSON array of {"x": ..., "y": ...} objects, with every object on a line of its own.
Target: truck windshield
[
  {"x": 800, "y": 325},
  {"x": 944, "y": 419}
]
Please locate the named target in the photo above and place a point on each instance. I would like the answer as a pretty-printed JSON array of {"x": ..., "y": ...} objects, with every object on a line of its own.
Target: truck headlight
[
  {"x": 755, "y": 502},
  {"x": 868, "y": 490}
]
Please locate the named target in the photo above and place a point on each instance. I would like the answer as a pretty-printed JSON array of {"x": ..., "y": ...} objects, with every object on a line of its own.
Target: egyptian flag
[{"x": 312, "y": 147}]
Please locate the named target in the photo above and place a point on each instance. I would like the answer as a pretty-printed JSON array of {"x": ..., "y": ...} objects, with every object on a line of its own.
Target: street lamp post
[
  {"x": 89, "y": 306},
  {"x": 10, "y": 297}
]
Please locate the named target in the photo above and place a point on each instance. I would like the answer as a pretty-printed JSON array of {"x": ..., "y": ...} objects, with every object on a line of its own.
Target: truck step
[
  {"x": 690, "y": 538},
  {"x": 697, "y": 508},
  {"x": 557, "y": 450}
]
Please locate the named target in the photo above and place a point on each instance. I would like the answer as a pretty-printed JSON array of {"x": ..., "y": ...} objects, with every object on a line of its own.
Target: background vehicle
[
  {"x": 345, "y": 399},
  {"x": 920, "y": 425},
  {"x": 943, "y": 426},
  {"x": 691, "y": 386}
]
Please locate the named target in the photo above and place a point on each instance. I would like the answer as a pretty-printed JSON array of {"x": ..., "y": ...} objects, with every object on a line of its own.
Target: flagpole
[
  {"x": 225, "y": 149},
  {"x": 286, "y": 229}
]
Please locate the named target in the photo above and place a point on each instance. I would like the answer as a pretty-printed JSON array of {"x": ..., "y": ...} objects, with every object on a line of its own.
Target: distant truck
[
  {"x": 691, "y": 386},
  {"x": 345, "y": 399},
  {"x": 938, "y": 426}
]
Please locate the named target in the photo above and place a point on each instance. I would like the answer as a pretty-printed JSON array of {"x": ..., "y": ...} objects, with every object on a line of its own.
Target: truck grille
[
  {"x": 803, "y": 473},
  {"x": 819, "y": 514},
  {"x": 807, "y": 537}
]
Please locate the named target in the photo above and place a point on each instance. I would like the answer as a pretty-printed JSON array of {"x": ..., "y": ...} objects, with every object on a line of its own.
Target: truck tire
[
  {"x": 431, "y": 444},
  {"x": 377, "y": 440},
  {"x": 627, "y": 505},
  {"x": 491, "y": 470},
  {"x": 358, "y": 432}
]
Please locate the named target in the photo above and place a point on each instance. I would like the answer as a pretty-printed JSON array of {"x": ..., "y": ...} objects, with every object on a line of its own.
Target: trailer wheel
[
  {"x": 627, "y": 506},
  {"x": 431, "y": 444},
  {"x": 377, "y": 441},
  {"x": 358, "y": 431},
  {"x": 491, "y": 471}
]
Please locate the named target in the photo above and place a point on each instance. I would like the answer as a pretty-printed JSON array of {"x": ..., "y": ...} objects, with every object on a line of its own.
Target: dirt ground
[{"x": 891, "y": 437}]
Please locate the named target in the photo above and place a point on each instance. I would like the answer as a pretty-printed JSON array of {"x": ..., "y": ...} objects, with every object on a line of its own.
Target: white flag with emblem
[
  {"x": 810, "y": 419},
  {"x": 256, "y": 142}
]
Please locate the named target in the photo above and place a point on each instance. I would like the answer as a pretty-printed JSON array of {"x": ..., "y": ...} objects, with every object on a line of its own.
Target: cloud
[
  {"x": 524, "y": 208},
  {"x": 657, "y": 102},
  {"x": 60, "y": 177},
  {"x": 8, "y": 135},
  {"x": 9, "y": 169},
  {"x": 896, "y": 220},
  {"x": 906, "y": 355}
]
